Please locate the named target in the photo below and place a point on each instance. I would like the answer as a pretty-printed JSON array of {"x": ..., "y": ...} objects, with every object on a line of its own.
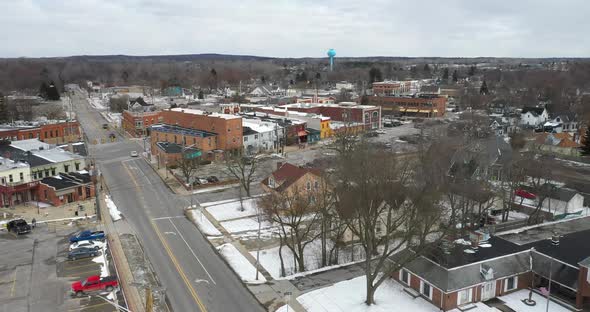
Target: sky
[{"x": 296, "y": 28}]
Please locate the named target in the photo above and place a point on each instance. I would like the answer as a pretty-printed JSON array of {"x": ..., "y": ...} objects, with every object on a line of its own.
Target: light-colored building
[
  {"x": 261, "y": 136},
  {"x": 533, "y": 116},
  {"x": 15, "y": 182}
]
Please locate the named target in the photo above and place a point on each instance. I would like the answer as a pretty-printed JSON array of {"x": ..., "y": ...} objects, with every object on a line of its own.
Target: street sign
[{"x": 193, "y": 155}]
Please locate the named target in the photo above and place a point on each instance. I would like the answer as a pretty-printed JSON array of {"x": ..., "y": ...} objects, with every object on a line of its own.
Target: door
[{"x": 488, "y": 291}]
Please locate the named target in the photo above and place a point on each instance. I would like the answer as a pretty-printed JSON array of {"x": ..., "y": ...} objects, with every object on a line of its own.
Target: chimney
[{"x": 279, "y": 164}]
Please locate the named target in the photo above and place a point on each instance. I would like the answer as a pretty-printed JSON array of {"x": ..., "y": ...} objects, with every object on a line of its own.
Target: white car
[
  {"x": 134, "y": 154},
  {"x": 87, "y": 244}
]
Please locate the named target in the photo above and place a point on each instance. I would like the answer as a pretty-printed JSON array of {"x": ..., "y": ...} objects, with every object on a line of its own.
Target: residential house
[
  {"x": 481, "y": 267},
  {"x": 261, "y": 91},
  {"x": 483, "y": 159},
  {"x": 567, "y": 122},
  {"x": 533, "y": 116},
  {"x": 558, "y": 202},
  {"x": 291, "y": 179},
  {"x": 137, "y": 124},
  {"x": 559, "y": 143},
  {"x": 15, "y": 182},
  {"x": 139, "y": 105}
]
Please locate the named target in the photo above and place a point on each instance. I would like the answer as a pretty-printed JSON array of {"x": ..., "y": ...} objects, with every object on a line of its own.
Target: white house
[
  {"x": 344, "y": 85},
  {"x": 533, "y": 116},
  {"x": 563, "y": 200},
  {"x": 567, "y": 121},
  {"x": 261, "y": 91},
  {"x": 261, "y": 136}
]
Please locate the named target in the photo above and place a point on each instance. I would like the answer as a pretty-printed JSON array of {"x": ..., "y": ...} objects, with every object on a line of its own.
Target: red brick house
[
  {"x": 455, "y": 274},
  {"x": 137, "y": 124}
]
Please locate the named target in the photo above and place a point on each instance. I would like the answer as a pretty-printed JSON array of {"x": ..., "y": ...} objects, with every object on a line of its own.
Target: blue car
[{"x": 87, "y": 235}]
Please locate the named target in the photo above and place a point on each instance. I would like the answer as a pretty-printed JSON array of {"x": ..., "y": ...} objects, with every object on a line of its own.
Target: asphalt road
[{"x": 194, "y": 276}]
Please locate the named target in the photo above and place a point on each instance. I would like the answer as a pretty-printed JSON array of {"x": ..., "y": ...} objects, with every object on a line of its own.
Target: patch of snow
[
  {"x": 240, "y": 264},
  {"x": 245, "y": 224},
  {"x": 469, "y": 251},
  {"x": 83, "y": 172},
  {"x": 113, "y": 210},
  {"x": 204, "y": 224},
  {"x": 102, "y": 259},
  {"x": 231, "y": 210},
  {"x": 573, "y": 163},
  {"x": 485, "y": 245},
  {"x": 462, "y": 241},
  {"x": 513, "y": 300},
  {"x": 213, "y": 203},
  {"x": 285, "y": 308},
  {"x": 349, "y": 296},
  {"x": 214, "y": 188},
  {"x": 40, "y": 204}
]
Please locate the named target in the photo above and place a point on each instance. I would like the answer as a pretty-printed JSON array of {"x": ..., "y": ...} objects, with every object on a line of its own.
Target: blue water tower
[{"x": 331, "y": 54}]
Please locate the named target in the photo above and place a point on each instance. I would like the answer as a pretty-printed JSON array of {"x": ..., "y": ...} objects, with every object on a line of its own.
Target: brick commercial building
[
  {"x": 52, "y": 133},
  {"x": 211, "y": 133},
  {"x": 413, "y": 106},
  {"x": 368, "y": 115},
  {"x": 137, "y": 124},
  {"x": 65, "y": 188}
]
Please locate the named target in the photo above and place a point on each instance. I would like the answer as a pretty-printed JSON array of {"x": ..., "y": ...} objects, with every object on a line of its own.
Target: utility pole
[
  {"x": 149, "y": 300},
  {"x": 258, "y": 242}
]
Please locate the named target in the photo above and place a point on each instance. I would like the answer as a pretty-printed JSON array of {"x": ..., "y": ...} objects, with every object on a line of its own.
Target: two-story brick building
[
  {"x": 52, "y": 133},
  {"x": 415, "y": 106},
  {"x": 350, "y": 112},
  {"x": 137, "y": 124}
]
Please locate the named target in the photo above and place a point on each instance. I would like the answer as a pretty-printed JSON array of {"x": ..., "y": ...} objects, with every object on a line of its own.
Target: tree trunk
[
  {"x": 281, "y": 256},
  {"x": 324, "y": 240},
  {"x": 370, "y": 299}
]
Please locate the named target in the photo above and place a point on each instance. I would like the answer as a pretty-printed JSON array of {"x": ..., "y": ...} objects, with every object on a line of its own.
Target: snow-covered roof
[
  {"x": 30, "y": 145},
  {"x": 200, "y": 112},
  {"x": 7, "y": 164},
  {"x": 57, "y": 155}
]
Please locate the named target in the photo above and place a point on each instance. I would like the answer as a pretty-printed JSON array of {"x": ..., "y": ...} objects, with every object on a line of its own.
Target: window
[
  {"x": 79, "y": 191},
  {"x": 22, "y": 176},
  {"x": 256, "y": 137},
  {"x": 10, "y": 178},
  {"x": 426, "y": 290},
  {"x": 46, "y": 134},
  {"x": 464, "y": 297},
  {"x": 375, "y": 115},
  {"x": 77, "y": 166},
  {"x": 47, "y": 172},
  {"x": 510, "y": 283},
  {"x": 34, "y": 175},
  {"x": 53, "y": 171},
  {"x": 404, "y": 276},
  {"x": 245, "y": 139},
  {"x": 66, "y": 168},
  {"x": 316, "y": 185},
  {"x": 308, "y": 186},
  {"x": 45, "y": 193}
]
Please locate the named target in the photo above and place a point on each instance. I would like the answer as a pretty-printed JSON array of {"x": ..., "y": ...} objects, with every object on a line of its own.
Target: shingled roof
[{"x": 287, "y": 174}]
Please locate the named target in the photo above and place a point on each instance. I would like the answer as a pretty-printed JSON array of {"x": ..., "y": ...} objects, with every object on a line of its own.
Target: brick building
[
  {"x": 414, "y": 106},
  {"x": 137, "y": 124},
  {"x": 227, "y": 128},
  {"x": 368, "y": 115},
  {"x": 65, "y": 188},
  {"x": 206, "y": 142},
  {"x": 52, "y": 133}
]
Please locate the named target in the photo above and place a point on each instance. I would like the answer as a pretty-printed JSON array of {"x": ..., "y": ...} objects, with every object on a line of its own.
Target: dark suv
[{"x": 18, "y": 227}]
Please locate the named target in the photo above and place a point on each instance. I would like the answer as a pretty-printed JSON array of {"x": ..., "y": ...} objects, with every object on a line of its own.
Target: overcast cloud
[{"x": 283, "y": 28}]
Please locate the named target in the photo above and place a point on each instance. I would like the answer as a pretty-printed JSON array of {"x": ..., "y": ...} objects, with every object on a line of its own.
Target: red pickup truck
[{"x": 94, "y": 283}]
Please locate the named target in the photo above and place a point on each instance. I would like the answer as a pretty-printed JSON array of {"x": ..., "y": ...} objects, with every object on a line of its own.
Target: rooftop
[
  {"x": 7, "y": 164},
  {"x": 57, "y": 155},
  {"x": 573, "y": 248},
  {"x": 182, "y": 130},
  {"x": 67, "y": 180},
  {"x": 200, "y": 112},
  {"x": 540, "y": 232},
  {"x": 173, "y": 148},
  {"x": 30, "y": 145}
]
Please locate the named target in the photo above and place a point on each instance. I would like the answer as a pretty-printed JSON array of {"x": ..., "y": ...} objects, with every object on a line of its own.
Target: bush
[{"x": 172, "y": 167}]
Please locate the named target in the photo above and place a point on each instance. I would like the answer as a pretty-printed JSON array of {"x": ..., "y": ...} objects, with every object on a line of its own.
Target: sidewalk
[{"x": 272, "y": 293}]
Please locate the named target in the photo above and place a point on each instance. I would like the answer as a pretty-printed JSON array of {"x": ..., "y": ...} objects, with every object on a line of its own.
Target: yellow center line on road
[
  {"x": 13, "y": 283},
  {"x": 170, "y": 254}
]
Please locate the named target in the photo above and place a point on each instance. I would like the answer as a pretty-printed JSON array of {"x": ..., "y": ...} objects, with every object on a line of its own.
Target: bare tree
[
  {"x": 538, "y": 172},
  {"x": 296, "y": 215},
  {"x": 244, "y": 169},
  {"x": 188, "y": 166},
  {"x": 389, "y": 205}
]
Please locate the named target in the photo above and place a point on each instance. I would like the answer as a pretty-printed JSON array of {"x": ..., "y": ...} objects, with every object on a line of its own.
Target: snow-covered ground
[
  {"x": 285, "y": 308},
  {"x": 214, "y": 188},
  {"x": 245, "y": 224},
  {"x": 349, "y": 296},
  {"x": 240, "y": 264},
  {"x": 97, "y": 103},
  {"x": 269, "y": 259},
  {"x": 232, "y": 210},
  {"x": 113, "y": 210},
  {"x": 515, "y": 215},
  {"x": 204, "y": 224},
  {"x": 513, "y": 300}
]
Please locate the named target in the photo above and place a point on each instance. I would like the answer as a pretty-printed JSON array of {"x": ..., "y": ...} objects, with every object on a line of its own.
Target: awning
[
  {"x": 424, "y": 111},
  {"x": 411, "y": 110},
  {"x": 301, "y": 133},
  {"x": 435, "y": 110}
]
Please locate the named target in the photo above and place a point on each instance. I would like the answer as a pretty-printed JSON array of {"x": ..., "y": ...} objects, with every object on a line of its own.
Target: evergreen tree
[
  {"x": 262, "y": 79},
  {"x": 471, "y": 71},
  {"x": 201, "y": 95},
  {"x": 445, "y": 75},
  {"x": 52, "y": 92},
  {"x": 585, "y": 148},
  {"x": 484, "y": 88},
  {"x": 455, "y": 76},
  {"x": 3, "y": 112},
  {"x": 43, "y": 90},
  {"x": 125, "y": 76},
  {"x": 426, "y": 68},
  {"x": 375, "y": 75}
]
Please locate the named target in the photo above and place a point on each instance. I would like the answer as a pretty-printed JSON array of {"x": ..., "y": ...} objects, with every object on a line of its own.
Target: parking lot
[{"x": 35, "y": 274}]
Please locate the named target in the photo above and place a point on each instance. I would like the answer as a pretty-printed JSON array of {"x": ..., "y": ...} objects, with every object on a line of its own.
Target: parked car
[
  {"x": 134, "y": 154},
  {"x": 212, "y": 179},
  {"x": 396, "y": 123},
  {"x": 81, "y": 253},
  {"x": 105, "y": 126},
  {"x": 94, "y": 283},
  {"x": 18, "y": 227},
  {"x": 202, "y": 181},
  {"x": 87, "y": 235},
  {"x": 87, "y": 244}
]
